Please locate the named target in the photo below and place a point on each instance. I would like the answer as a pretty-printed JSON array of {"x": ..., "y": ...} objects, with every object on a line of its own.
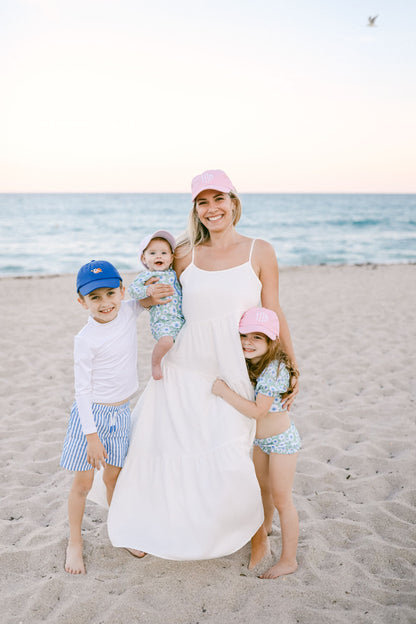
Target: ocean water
[{"x": 43, "y": 234}]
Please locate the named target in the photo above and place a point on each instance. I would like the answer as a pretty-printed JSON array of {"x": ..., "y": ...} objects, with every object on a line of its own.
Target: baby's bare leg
[
  {"x": 161, "y": 348},
  {"x": 81, "y": 485}
]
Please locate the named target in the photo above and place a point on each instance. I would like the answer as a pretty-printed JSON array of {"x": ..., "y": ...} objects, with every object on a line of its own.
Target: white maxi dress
[{"x": 188, "y": 489}]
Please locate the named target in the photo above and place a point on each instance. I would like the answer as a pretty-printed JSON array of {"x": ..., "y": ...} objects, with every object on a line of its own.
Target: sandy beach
[{"x": 354, "y": 332}]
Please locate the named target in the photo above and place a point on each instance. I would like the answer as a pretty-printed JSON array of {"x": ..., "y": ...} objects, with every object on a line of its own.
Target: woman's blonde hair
[
  {"x": 274, "y": 352},
  {"x": 196, "y": 233}
]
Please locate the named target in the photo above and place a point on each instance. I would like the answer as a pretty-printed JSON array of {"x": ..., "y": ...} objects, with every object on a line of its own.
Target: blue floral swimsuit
[
  {"x": 275, "y": 385},
  {"x": 165, "y": 319}
]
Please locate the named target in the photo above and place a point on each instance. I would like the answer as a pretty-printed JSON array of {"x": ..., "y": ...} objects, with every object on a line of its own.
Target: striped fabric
[{"x": 113, "y": 428}]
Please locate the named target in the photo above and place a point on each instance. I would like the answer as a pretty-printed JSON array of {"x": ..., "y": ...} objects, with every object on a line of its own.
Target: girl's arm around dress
[{"x": 252, "y": 409}]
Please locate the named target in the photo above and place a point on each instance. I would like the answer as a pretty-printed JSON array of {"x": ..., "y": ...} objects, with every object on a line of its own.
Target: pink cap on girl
[
  {"x": 213, "y": 179},
  {"x": 260, "y": 320}
]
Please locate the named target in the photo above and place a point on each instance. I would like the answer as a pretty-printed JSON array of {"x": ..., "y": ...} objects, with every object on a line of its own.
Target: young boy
[
  {"x": 156, "y": 255},
  {"x": 105, "y": 367}
]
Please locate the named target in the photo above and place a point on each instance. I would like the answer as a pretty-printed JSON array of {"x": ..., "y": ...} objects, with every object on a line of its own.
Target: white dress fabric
[{"x": 188, "y": 488}]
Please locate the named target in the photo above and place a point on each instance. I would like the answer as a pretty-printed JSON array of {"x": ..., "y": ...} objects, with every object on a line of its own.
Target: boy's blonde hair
[{"x": 196, "y": 233}]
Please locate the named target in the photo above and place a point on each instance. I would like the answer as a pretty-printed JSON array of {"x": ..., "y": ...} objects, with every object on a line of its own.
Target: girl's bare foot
[
  {"x": 280, "y": 569},
  {"x": 74, "y": 563},
  {"x": 260, "y": 547},
  {"x": 136, "y": 553}
]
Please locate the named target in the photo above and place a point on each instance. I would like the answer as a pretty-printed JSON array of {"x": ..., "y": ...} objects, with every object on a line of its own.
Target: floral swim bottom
[{"x": 285, "y": 443}]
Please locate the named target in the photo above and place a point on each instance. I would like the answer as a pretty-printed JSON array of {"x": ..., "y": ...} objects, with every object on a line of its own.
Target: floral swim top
[
  {"x": 273, "y": 385},
  {"x": 165, "y": 319}
]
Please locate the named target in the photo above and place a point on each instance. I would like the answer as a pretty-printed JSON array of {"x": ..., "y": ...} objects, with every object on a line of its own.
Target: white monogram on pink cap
[
  {"x": 262, "y": 317},
  {"x": 206, "y": 177}
]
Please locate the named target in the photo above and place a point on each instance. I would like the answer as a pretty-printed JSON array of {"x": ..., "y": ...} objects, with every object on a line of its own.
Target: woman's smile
[{"x": 214, "y": 208}]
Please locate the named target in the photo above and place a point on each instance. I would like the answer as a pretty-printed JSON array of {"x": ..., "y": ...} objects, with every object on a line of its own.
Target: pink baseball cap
[
  {"x": 260, "y": 320},
  {"x": 158, "y": 234},
  {"x": 213, "y": 179}
]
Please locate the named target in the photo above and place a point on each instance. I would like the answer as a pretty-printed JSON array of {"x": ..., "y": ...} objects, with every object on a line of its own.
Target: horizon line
[{"x": 188, "y": 193}]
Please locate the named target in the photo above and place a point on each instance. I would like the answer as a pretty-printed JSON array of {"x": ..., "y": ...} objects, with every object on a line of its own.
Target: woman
[{"x": 188, "y": 489}]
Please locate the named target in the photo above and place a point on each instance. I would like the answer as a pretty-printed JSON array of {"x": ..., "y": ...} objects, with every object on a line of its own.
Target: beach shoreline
[
  {"x": 130, "y": 274},
  {"x": 354, "y": 331}
]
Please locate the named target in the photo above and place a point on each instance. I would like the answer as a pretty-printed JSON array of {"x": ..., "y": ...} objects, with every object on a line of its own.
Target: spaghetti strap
[
  {"x": 251, "y": 249},
  {"x": 193, "y": 254}
]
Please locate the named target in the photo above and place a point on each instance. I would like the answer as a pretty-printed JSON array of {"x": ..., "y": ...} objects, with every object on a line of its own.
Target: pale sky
[{"x": 141, "y": 95}]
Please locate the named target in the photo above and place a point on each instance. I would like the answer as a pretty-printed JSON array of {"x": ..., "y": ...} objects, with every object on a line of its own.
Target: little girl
[{"x": 277, "y": 440}]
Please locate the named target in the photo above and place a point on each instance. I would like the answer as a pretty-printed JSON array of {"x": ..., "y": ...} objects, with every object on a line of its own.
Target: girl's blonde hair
[
  {"x": 196, "y": 233},
  {"x": 274, "y": 352}
]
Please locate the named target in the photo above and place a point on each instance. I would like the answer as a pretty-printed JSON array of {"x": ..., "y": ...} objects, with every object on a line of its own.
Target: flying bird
[{"x": 372, "y": 20}]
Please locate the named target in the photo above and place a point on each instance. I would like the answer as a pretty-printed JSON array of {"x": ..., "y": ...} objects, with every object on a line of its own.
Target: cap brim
[
  {"x": 217, "y": 187},
  {"x": 253, "y": 329},
  {"x": 108, "y": 282}
]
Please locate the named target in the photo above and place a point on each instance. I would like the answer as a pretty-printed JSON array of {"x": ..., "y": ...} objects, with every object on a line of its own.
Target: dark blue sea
[{"x": 43, "y": 234}]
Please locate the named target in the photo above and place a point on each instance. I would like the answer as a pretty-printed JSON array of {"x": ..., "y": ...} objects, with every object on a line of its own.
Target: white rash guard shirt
[{"x": 105, "y": 362}]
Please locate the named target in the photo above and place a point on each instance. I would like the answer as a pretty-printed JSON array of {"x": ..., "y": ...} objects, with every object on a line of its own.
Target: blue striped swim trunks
[
  {"x": 286, "y": 443},
  {"x": 113, "y": 428}
]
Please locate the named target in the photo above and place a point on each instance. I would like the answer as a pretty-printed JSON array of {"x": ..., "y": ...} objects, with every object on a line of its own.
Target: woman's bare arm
[{"x": 265, "y": 262}]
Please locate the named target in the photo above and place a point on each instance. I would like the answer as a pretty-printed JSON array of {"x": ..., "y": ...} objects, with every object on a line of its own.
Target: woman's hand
[
  {"x": 287, "y": 403},
  {"x": 157, "y": 294}
]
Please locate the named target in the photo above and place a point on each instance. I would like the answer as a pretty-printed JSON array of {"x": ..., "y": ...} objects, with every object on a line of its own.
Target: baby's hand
[
  {"x": 218, "y": 387},
  {"x": 96, "y": 453}
]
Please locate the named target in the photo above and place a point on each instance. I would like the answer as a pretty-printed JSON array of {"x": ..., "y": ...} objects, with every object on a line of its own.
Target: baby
[{"x": 166, "y": 320}]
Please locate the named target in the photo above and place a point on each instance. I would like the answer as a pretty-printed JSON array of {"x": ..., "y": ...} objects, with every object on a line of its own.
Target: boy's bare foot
[
  {"x": 259, "y": 547},
  {"x": 74, "y": 563},
  {"x": 280, "y": 569},
  {"x": 136, "y": 553},
  {"x": 157, "y": 372}
]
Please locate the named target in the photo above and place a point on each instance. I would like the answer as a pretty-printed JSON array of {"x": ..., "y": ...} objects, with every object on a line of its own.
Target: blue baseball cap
[{"x": 97, "y": 274}]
